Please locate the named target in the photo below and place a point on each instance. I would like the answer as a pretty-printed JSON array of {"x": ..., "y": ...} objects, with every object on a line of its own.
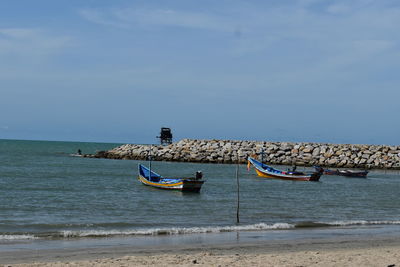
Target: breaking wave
[
  {"x": 187, "y": 230},
  {"x": 177, "y": 230},
  {"x": 17, "y": 237},
  {"x": 362, "y": 222}
]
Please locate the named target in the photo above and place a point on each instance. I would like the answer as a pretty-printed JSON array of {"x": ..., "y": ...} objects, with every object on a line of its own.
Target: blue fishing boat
[
  {"x": 187, "y": 184},
  {"x": 266, "y": 171}
]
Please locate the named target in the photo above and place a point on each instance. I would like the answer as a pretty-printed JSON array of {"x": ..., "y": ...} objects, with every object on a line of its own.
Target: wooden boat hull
[
  {"x": 181, "y": 184},
  {"x": 293, "y": 178},
  {"x": 347, "y": 173},
  {"x": 266, "y": 171},
  {"x": 185, "y": 185}
]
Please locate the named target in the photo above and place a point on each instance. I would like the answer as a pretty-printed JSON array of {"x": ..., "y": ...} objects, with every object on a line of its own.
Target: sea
[{"x": 49, "y": 198}]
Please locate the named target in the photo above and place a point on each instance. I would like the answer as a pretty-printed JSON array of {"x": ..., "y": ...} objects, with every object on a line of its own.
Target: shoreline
[{"x": 332, "y": 247}]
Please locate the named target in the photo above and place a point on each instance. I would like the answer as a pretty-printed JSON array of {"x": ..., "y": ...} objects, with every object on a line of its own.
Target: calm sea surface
[{"x": 45, "y": 193}]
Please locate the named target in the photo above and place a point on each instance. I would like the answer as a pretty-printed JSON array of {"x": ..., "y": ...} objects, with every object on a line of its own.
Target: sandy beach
[{"x": 327, "y": 252}]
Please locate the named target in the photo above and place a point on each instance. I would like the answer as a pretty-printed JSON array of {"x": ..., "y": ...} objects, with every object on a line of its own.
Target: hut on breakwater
[{"x": 279, "y": 153}]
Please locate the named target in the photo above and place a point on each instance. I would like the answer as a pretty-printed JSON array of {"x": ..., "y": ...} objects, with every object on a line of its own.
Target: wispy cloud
[
  {"x": 307, "y": 40},
  {"x": 27, "y": 41},
  {"x": 301, "y": 18},
  {"x": 176, "y": 18},
  {"x": 102, "y": 17},
  {"x": 133, "y": 17}
]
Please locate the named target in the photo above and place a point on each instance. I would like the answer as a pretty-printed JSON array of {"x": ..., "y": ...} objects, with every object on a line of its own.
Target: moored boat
[
  {"x": 266, "y": 171},
  {"x": 347, "y": 173},
  {"x": 150, "y": 178}
]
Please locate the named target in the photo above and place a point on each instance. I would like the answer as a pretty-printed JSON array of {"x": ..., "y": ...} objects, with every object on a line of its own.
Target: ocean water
[{"x": 47, "y": 194}]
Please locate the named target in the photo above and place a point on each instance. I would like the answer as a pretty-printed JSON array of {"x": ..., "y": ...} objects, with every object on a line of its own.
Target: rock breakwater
[{"x": 279, "y": 153}]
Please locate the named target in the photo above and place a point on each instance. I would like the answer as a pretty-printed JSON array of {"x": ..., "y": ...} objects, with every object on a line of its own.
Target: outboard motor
[
  {"x": 199, "y": 175},
  {"x": 319, "y": 169}
]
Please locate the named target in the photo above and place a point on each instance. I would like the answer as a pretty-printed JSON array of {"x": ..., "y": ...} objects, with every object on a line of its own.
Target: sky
[{"x": 274, "y": 70}]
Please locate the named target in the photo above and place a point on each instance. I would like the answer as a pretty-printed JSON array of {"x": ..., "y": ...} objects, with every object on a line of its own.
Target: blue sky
[{"x": 279, "y": 70}]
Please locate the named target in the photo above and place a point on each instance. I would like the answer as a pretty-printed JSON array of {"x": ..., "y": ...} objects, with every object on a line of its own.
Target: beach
[{"x": 362, "y": 251}]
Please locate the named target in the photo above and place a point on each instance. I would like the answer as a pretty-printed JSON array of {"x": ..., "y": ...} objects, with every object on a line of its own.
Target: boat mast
[{"x": 262, "y": 156}]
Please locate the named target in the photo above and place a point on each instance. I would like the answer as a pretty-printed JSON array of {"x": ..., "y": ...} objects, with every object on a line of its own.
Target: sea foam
[
  {"x": 17, "y": 237},
  {"x": 177, "y": 230}
]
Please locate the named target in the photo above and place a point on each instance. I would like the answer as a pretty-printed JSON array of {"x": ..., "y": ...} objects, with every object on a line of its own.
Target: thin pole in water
[
  {"x": 238, "y": 190},
  {"x": 150, "y": 163}
]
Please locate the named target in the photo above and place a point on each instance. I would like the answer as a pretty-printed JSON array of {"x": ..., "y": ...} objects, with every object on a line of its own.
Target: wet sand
[{"x": 360, "y": 251}]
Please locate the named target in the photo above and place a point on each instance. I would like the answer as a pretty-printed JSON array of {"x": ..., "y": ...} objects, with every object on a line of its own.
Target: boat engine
[{"x": 199, "y": 175}]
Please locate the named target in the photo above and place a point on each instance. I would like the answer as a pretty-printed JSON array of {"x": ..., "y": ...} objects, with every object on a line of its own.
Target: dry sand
[{"x": 360, "y": 252}]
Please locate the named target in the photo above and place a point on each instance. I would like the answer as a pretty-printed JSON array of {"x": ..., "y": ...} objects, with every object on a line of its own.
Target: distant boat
[
  {"x": 266, "y": 171},
  {"x": 347, "y": 173},
  {"x": 192, "y": 184},
  {"x": 76, "y": 155}
]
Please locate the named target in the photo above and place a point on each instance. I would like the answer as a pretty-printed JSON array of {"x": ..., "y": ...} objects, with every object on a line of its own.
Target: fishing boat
[
  {"x": 347, "y": 173},
  {"x": 150, "y": 178},
  {"x": 266, "y": 171}
]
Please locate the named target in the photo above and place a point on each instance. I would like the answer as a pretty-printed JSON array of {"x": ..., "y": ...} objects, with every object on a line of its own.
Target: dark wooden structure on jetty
[{"x": 165, "y": 136}]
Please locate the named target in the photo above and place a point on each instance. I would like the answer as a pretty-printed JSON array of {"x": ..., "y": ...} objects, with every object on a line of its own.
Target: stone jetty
[{"x": 278, "y": 153}]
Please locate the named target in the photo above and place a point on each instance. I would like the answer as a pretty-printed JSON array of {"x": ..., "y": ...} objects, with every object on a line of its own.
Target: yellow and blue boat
[
  {"x": 266, "y": 171},
  {"x": 150, "y": 178}
]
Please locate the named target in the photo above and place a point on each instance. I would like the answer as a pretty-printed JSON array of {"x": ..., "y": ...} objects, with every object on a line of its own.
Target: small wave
[
  {"x": 17, "y": 237},
  {"x": 362, "y": 222},
  {"x": 175, "y": 230},
  {"x": 189, "y": 230},
  {"x": 311, "y": 224},
  {"x": 344, "y": 223}
]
